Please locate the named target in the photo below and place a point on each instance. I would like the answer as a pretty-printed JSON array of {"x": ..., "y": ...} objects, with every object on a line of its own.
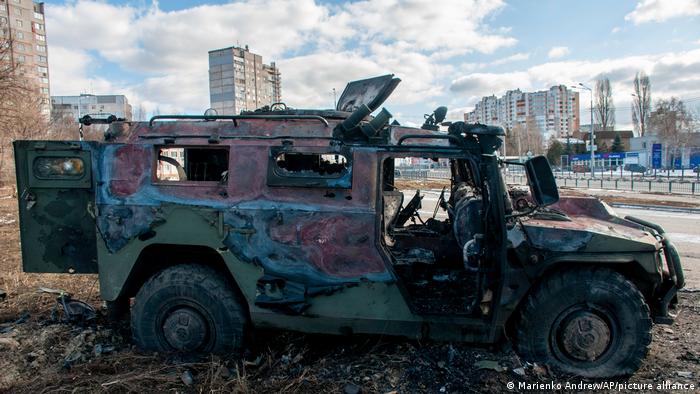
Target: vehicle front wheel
[
  {"x": 188, "y": 308},
  {"x": 589, "y": 322}
]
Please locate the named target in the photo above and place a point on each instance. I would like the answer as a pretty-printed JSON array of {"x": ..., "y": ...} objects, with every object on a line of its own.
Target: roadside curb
[{"x": 655, "y": 207}]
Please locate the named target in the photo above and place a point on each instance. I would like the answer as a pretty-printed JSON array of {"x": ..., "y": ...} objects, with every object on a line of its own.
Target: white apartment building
[
  {"x": 555, "y": 111},
  {"x": 239, "y": 81},
  {"x": 90, "y": 104},
  {"x": 22, "y": 23}
]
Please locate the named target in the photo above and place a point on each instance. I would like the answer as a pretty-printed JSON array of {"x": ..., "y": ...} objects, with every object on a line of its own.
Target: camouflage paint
[{"x": 312, "y": 253}]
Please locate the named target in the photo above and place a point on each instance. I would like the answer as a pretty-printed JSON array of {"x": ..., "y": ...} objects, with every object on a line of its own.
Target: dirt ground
[{"x": 40, "y": 354}]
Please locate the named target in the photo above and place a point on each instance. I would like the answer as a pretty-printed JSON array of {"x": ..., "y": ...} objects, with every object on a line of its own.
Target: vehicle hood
[{"x": 589, "y": 226}]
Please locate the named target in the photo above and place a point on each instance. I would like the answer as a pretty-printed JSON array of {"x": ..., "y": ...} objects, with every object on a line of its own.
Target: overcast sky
[{"x": 446, "y": 52}]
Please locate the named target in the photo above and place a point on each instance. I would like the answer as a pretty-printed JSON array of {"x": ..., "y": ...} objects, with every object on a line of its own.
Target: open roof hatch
[{"x": 371, "y": 92}]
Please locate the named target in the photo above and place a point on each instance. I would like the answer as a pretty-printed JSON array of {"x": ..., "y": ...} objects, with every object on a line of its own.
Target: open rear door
[{"x": 56, "y": 206}]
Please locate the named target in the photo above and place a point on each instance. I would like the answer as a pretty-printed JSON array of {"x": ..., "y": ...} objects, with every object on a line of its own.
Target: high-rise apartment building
[
  {"x": 89, "y": 104},
  {"x": 554, "y": 111},
  {"x": 239, "y": 81},
  {"x": 22, "y": 23}
]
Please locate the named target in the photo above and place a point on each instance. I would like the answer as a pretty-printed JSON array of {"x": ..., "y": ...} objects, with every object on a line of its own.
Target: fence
[{"x": 626, "y": 183}]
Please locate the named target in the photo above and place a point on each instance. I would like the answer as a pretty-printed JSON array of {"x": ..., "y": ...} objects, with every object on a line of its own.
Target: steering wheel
[{"x": 410, "y": 210}]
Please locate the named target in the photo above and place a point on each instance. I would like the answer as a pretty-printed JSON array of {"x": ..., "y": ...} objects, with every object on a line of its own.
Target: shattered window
[
  {"x": 192, "y": 164},
  {"x": 312, "y": 164},
  {"x": 310, "y": 169}
]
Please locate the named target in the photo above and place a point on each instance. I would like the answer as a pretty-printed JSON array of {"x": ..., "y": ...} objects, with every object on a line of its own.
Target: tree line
[{"x": 669, "y": 119}]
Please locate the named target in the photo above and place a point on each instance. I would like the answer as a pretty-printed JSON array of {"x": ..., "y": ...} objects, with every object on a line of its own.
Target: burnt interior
[
  {"x": 192, "y": 164},
  {"x": 314, "y": 164},
  {"x": 426, "y": 234}
]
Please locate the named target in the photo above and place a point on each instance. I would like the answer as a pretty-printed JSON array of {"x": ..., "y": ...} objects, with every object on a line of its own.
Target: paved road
[
  {"x": 684, "y": 231},
  {"x": 682, "y": 228}
]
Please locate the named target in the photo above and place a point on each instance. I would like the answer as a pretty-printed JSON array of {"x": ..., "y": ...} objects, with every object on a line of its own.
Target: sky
[{"x": 448, "y": 52}]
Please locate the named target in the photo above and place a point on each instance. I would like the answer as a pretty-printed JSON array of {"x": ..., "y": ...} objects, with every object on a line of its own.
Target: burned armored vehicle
[{"x": 206, "y": 227}]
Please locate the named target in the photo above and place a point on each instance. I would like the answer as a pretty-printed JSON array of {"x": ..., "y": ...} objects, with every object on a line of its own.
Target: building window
[
  {"x": 19, "y": 22},
  {"x": 44, "y": 80},
  {"x": 42, "y": 69},
  {"x": 38, "y": 26},
  {"x": 21, "y": 58},
  {"x": 42, "y": 59},
  {"x": 41, "y": 48},
  {"x": 39, "y": 37},
  {"x": 20, "y": 35},
  {"x": 21, "y": 47},
  {"x": 38, "y": 15},
  {"x": 18, "y": 11}
]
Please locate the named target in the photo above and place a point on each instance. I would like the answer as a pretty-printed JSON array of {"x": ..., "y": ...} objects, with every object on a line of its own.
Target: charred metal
[{"x": 301, "y": 216}]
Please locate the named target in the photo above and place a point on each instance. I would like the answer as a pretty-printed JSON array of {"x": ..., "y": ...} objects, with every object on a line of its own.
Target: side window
[
  {"x": 193, "y": 164},
  {"x": 320, "y": 169}
]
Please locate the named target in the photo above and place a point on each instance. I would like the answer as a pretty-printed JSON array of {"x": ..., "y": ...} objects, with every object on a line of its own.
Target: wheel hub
[
  {"x": 584, "y": 336},
  {"x": 185, "y": 329}
]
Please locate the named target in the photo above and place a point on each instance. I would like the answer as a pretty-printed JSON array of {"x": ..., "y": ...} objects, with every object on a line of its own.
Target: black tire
[
  {"x": 591, "y": 322},
  {"x": 190, "y": 309}
]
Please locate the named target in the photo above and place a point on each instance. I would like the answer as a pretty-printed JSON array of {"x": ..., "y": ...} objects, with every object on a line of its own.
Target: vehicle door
[{"x": 55, "y": 189}]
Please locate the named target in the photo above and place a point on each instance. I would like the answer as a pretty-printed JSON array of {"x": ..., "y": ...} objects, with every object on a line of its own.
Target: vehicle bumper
[{"x": 666, "y": 296}]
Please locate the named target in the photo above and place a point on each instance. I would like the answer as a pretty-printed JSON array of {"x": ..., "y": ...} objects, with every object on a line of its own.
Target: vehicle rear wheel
[
  {"x": 589, "y": 322},
  {"x": 188, "y": 308}
]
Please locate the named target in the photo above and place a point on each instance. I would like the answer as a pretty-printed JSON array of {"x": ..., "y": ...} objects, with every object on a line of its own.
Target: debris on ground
[
  {"x": 489, "y": 364},
  {"x": 34, "y": 348},
  {"x": 7, "y": 327},
  {"x": 45, "y": 354},
  {"x": 187, "y": 378},
  {"x": 73, "y": 311}
]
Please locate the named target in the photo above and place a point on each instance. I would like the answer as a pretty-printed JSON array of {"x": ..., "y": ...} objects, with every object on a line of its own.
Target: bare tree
[
  {"x": 535, "y": 143},
  {"x": 604, "y": 108},
  {"x": 64, "y": 127},
  {"x": 514, "y": 140},
  {"x": 525, "y": 137},
  {"x": 641, "y": 104},
  {"x": 673, "y": 122},
  {"x": 21, "y": 114},
  {"x": 140, "y": 113}
]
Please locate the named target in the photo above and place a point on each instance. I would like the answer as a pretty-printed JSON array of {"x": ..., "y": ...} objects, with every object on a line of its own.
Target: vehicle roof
[
  {"x": 302, "y": 125},
  {"x": 262, "y": 127}
]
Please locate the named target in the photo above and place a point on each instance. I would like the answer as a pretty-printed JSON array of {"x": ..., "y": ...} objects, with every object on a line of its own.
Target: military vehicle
[{"x": 206, "y": 227}]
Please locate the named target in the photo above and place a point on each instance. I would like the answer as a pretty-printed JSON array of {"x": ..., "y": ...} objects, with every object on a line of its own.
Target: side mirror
[{"x": 543, "y": 187}]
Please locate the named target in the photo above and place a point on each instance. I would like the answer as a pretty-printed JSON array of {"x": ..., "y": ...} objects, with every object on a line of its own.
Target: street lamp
[
  {"x": 582, "y": 86},
  {"x": 638, "y": 106}
]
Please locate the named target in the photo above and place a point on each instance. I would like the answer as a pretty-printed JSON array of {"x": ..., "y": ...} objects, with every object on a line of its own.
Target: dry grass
[{"x": 42, "y": 356}]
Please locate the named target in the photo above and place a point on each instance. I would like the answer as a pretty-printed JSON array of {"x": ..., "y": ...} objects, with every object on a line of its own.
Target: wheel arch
[{"x": 159, "y": 256}]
